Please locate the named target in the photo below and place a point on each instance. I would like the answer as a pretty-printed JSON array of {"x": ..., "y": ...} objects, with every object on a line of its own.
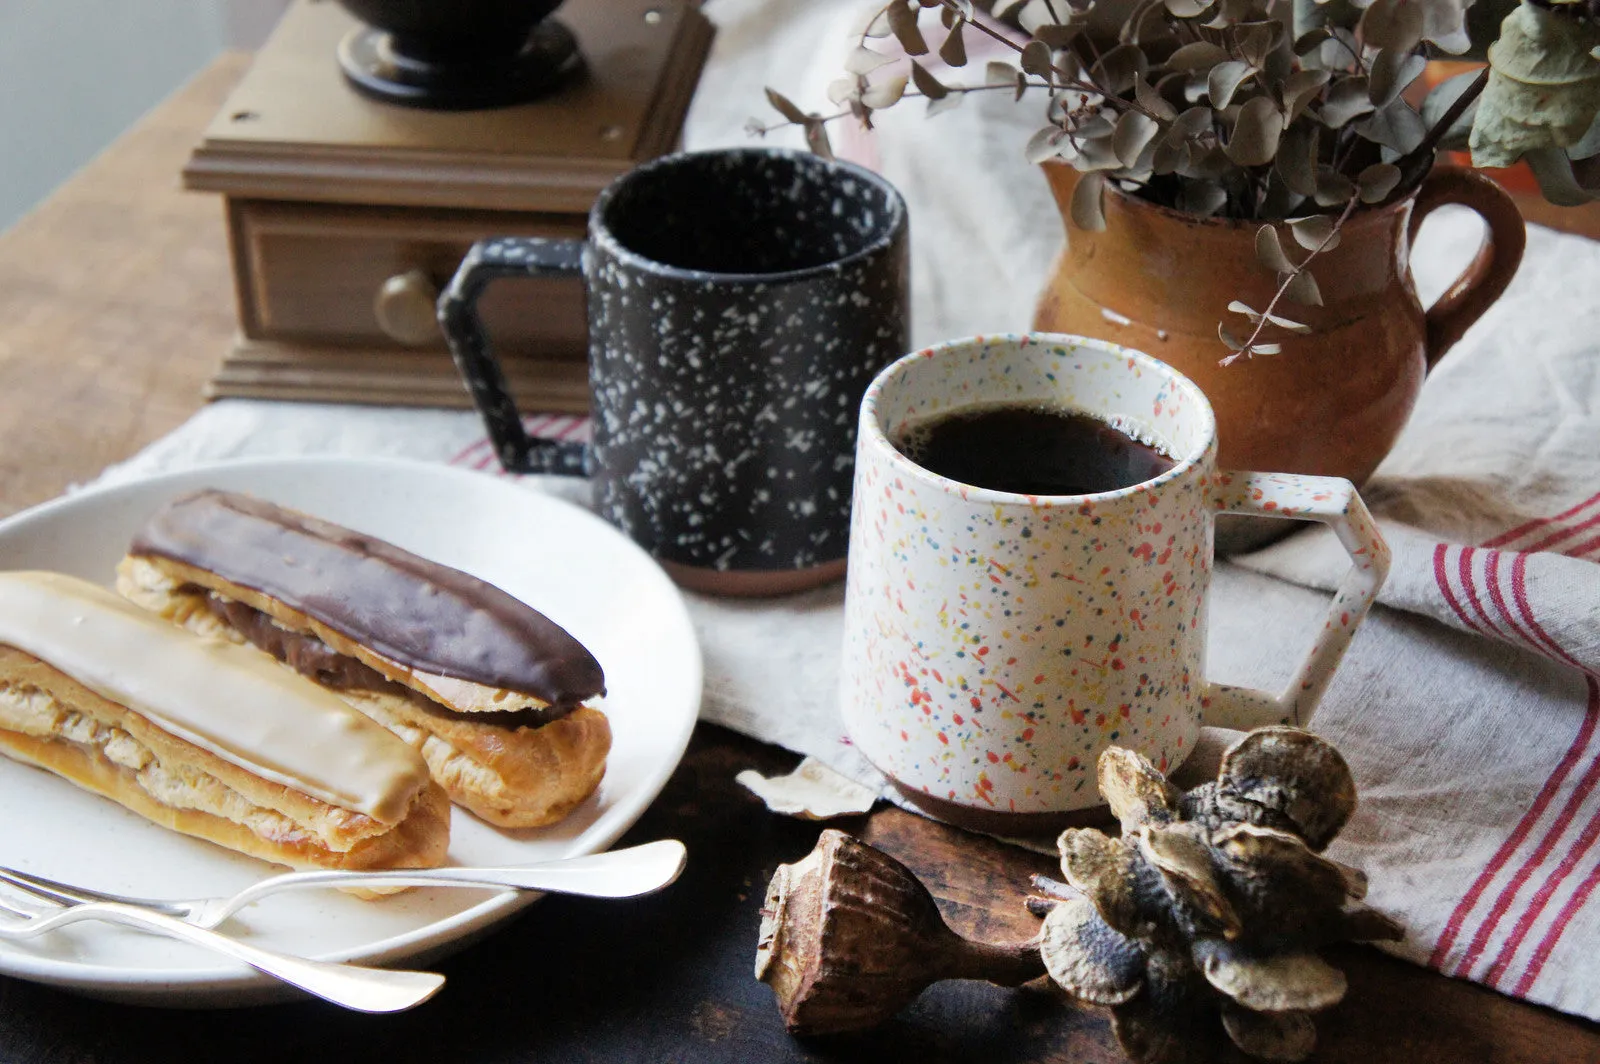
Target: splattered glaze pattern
[
  {"x": 996, "y": 643},
  {"x": 739, "y": 303}
]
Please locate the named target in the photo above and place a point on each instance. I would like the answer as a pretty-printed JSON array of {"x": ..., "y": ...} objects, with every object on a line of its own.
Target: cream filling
[{"x": 36, "y": 713}]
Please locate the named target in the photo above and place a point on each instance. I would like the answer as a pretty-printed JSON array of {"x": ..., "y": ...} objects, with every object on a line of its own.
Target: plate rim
[{"x": 168, "y": 985}]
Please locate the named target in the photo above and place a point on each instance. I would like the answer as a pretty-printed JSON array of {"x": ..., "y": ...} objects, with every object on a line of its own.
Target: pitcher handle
[
  {"x": 1496, "y": 262},
  {"x": 1334, "y": 502},
  {"x": 506, "y": 256}
]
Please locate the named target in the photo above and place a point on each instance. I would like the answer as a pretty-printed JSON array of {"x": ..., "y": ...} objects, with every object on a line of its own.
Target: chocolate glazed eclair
[{"x": 489, "y": 690}]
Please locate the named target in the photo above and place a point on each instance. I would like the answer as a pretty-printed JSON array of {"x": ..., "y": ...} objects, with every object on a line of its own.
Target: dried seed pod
[
  {"x": 849, "y": 937},
  {"x": 1200, "y": 923}
]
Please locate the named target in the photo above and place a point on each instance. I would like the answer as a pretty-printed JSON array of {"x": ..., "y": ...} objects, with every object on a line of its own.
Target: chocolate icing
[
  {"x": 312, "y": 658},
  {"x": 423, "y": 615}
]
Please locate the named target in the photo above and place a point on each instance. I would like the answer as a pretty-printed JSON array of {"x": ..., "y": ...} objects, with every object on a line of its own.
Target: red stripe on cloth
[
  {"x": 1442, "y": 576},
  {"x": 1519, "y": 591},
  {"x": 1565, "y": 533},
  {"x": 1575, "y": 853},
  {"x": 1505, "y": 538},
  {"x": 1583, "y": 548},
  {"x": 1469, "y": 588},
  {"x": 471, "y": 448},
  {"x": 1492, "y": 578},
  {"x": 1558, "y": 927},
  {"x": 1514, "y": 841}
]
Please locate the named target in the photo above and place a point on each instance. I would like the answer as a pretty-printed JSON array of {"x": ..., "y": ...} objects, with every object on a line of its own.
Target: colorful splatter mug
[{"x": 996, "y": 643}]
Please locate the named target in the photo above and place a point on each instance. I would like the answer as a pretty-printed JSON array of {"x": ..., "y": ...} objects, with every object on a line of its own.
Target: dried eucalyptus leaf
[
  {"x": 1392, "y": 24},
  {"x": 1134, "y": 133},
  {"x": 786, "y": 107},
  {"x": 944, "y": 103},
  {"x": 1313, "y": 230},
  {"x": 1087, "y": 958},
  {"x": 841, "y": 90},
  {"x": 1152, "y": 101},
  {"x": 1300, "y": 88},
  {"x": 1191, "y": 123},
  {"x": 1377, "y": 181},
  {"x": 1302, "y": 288},
  {"x": 1188, "y": 8},
  {"x": 1269, "y": 251},
  {"x": 954, "y": 50},
  {"x": 1256, "y": 40},
  {"x": 1044, "y": 144},
  {"x": 903, "y": 24},
  {"x": 1348, "y": 98},
  {"x": 1543, "y": 90},
  {"x": 863, "y": 60},
  {"x": 1444, "y": 24},
  {"x": 1058, "y": 36},
  {"x": 1391, "y": 72},
  {"x": 998, "y": 73},
  {"x": 817, "y": 138},
  {"x": 1552, "y": 168},
  {"x": 1210, "y": 164},
  {"x": 1036, "y": 59},
  {"x": 1296, "y": 161},
  {"x": 1266, "y": 349},
  {"x": 1116, "y": 70},
  {"x": 1224, "y": 80},
  {"x": 1396, "y": 126},
  {"x": 1086, "y": 209},
  {"x": 879, "y": 26},
  {"x": 1247, "y": 310},
  {"x": 1232, "y": 342},
  {"x": 926, "y": 83},
  {"x": 1333, "y": 188},
  {"x": 1169, "y": 158},
  {"x": 1289, "y": 324},
  {"x": 885, "y": 93},
  {"x": 1201, "y": 55},
  {"x": 1440, "y": 99},
  {"x": 1256, "y": 133}
]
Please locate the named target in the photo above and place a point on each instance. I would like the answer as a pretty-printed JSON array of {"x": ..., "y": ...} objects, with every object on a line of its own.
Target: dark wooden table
[{"x": 114, "y": 305}]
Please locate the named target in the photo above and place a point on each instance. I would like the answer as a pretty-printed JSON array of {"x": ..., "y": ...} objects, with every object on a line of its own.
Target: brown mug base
[
  {"x": 1032, "y": 826},
  {"x": 752, "y": 583}
]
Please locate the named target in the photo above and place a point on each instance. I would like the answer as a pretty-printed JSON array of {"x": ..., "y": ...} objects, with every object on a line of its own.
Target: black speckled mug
[{"x": 740, "y": 301}]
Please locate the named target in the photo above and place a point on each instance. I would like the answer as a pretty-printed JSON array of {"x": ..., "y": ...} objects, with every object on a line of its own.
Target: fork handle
[{"x": 349, "y": 985}]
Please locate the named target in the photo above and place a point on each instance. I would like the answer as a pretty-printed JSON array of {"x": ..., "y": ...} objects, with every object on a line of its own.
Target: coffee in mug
[{"x": 1030, "y": 556}]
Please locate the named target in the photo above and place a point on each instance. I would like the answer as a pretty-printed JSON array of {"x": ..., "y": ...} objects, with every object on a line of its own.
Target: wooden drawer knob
[{"x": 404, "y": 307}]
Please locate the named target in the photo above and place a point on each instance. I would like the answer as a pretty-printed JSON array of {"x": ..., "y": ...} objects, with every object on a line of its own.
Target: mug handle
[
  {"x": 1334, "y": 502},
  {"x": 506, "y": 256},
  {"x": 1491, "y": 269}
]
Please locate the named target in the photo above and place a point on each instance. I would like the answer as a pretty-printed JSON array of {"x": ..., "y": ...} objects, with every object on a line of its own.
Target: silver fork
[
  {"x": 624, "y": 873},
  {"x": 349, "y": 985}
]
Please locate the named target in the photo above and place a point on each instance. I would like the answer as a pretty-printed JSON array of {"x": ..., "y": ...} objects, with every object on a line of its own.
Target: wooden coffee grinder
[{"x": 361, "y": 156}]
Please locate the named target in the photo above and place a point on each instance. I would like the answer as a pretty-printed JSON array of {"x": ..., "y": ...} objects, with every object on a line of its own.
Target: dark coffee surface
[
  {"x": 1032, "y": 450},
  {"x": 421, "y": 614}
]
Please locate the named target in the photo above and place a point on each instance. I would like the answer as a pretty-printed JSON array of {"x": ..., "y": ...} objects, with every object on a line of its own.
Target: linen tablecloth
[{"x": 1468, "y": 705}]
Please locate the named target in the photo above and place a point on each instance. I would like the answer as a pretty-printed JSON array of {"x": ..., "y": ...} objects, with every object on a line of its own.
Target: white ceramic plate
[{"x": 557, "y": 557}]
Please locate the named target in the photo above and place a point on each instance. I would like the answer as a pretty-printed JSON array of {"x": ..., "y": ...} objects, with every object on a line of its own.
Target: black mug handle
[{"x": 506, "y": 256}]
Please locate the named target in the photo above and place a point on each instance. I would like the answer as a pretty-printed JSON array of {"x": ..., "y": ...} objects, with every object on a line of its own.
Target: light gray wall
[{"x": 76, "y": 73}]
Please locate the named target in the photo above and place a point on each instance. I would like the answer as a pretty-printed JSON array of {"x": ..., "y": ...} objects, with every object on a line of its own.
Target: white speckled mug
[
  {"x": 739, "y": 302},
  {"x": 996, "y": 643}
]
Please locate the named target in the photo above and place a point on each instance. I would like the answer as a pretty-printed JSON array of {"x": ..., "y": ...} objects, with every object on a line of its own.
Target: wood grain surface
[{"x": 114, "y": 302}]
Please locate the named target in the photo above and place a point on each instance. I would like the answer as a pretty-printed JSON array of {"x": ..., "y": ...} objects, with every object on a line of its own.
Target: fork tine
[{"x": 67, "y": 894}]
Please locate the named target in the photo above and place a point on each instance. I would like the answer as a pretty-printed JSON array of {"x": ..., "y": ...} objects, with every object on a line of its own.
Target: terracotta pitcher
[{"x": 1335, "y": 400}]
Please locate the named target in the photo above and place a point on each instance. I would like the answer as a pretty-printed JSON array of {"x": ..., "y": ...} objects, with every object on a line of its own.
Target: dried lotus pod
[
  {"x": 1200, "y": 924},
  {"x": 849, "y": 937}
]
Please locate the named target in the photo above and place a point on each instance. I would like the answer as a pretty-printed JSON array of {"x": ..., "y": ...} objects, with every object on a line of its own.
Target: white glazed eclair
[
  {"x": 488, "y": 689},
  {"x": 205, "y": 737}
]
